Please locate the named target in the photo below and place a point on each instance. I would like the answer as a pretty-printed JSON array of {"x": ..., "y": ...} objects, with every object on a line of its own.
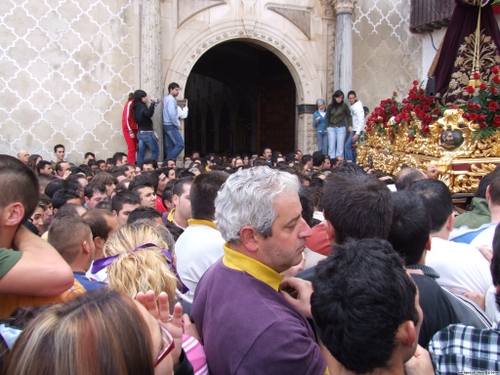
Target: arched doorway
[{"x": 241, "y": 98}]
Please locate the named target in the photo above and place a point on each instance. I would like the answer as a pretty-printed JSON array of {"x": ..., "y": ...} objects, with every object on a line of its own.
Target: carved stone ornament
[{"x": 343, "y": 6}]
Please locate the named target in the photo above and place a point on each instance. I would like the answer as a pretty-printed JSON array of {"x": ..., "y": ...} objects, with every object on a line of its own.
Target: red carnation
[
  {"x": 496, "y": 121},
  {"x": 493, "y": 90},
  {"x": 436, "y": 111},
  {"x": 473, "y": 116},
  {"x": 477, "y": 75},
  {"x": 495, "y": 70},
  {"x": 496, "y": 79},
  {"x": 483, "y": 86},
  {"x": 465, "y": 115},
  {"x": 470, "y": 89},
  {"x": 493, "y": 106},
  {"x": 394, "y": 93},
  {"x": 415, "y": 83}
]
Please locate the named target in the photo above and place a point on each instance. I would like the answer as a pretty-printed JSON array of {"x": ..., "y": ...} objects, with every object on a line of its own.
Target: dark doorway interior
[{"x": 241, "y": 99}]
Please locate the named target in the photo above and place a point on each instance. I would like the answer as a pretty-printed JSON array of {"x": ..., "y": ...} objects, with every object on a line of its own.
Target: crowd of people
[{"x": 244, "y": 264}]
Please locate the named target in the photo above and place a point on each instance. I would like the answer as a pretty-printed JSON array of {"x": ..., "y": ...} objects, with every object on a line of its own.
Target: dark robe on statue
[{"x": 455, "y": 59}]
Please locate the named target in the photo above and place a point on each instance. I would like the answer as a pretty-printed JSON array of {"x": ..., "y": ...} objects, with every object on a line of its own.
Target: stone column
[
  {"x": 151, "y": 59},
  {"x": 342, "y": 78}
]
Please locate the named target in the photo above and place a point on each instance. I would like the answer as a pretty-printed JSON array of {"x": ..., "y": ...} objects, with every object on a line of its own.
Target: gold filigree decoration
[{"x": 488, "y": 58}]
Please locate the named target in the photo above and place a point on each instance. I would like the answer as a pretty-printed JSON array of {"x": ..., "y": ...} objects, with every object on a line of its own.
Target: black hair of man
[
  {"x": 54, "y": 186},
  {"x": 357, "y": 205},
  {"x": 139, "y": 182},
  {"x": 437, "y": 201},
  {"x": 92, "y": 163},
  {"x": 93, "y": 188},
  {"x": 124, "y": 197},
  {"x": 118, "y": 156},
  {"x": 59, "y": 146},
  {"x": 105, "y": 178},
  {"x": 306, "y": 159},
  {"x": 74, "y": 182},
  {"x": 44, "y": 179},
  {"x": 18, "y": 184},
  {"x": 483, "y": 184},
  {"x": 406, "y": 176},
  {"x": 178, "y": 188},
  {"x": 104, "y": 205},
  {"x": 204, "y": 190},
  {"x": 42, "y": 164},
  {"x": 62, "y": 196},
  {"x": 172, "y": 86},
  {"x": 153, "y": 176},
  {"x": 307, "y": 201},
  {"x": 318, "y": 158},
  {"x": 410, "y": 227},
  {"x": 87, "y": 154},
  {"x": 69, "y": 208},
  {"x": 183, "y": 173},
  {"x": 168, "y": 192},
  {"x": 260, "y": 162},
  {"x": 58, "y": 167},
  {"x": 290, "y": 157},
  {"x": 351, "y": 307},
  {"x": 143, "y": 212},
  {"x": 96, "y": 220},
  {"x": 152, "y": 162}
]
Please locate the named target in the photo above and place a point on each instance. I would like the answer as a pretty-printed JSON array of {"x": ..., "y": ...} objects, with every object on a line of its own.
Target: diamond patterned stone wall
[
  {"x": 387, "y": 57},
  {"x": 66, "y": 69}
]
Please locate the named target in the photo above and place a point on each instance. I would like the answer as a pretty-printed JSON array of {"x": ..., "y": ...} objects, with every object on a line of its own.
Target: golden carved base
[{"x": 450, "y": 145}]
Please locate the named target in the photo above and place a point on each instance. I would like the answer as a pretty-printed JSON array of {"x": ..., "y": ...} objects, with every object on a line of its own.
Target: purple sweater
[{"x": 247, "y": 327}]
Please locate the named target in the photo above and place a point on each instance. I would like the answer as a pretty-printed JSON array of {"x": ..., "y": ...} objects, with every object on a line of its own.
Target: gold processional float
[
  {"x": 462, "y": 141},
  {"x": 458, "y": 130}
]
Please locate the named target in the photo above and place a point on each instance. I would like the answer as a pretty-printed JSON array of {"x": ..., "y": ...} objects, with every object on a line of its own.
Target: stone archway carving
[{"x": 286, "y": 49}]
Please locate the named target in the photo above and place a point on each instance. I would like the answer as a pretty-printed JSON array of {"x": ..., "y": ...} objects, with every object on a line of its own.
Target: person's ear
[
  {"x": 407, "y": 334},
  {"x": 85, "y": 247},
  {"x": 449, "y": 222},
  {"x": 428, "y": 243},
  {"x": 98, "y": 242},
  {"x": 87, "y": 200},
  {"x": 330, "y": 231},
  {"x": 250, "y": 238},
  {"x": 175, "y": 200},
  {"x": 13, "y": 214},
  {"x": 488, "y": 194}
]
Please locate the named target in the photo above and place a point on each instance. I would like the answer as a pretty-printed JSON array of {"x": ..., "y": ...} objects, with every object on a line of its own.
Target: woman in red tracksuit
[{"x": 129, "y": 127}]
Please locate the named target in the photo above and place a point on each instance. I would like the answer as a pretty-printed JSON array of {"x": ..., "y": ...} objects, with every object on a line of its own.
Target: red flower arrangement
[
  {"x": 416, "y": 105},
  {"x": 483, "y": 108}
]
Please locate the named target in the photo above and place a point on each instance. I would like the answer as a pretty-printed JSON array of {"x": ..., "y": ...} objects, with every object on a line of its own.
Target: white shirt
[
  {"x": 462, "y": 268},
  {"x": 197, "y": 248},
  {"x": 358, "y": 117}
]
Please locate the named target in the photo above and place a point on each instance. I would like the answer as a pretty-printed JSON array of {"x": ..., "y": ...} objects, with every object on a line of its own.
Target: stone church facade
[{"x": 66, "y": 68}]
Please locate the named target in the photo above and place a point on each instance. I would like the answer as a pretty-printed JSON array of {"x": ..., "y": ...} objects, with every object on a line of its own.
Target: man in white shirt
[
  {"x": 462, "y": 268},
  {"x": 201, "y": 244},
  {"x": 358, "y": 124}
]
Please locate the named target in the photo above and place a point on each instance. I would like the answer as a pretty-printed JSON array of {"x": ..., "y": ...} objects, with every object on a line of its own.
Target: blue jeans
[
  {"x": 350, "y": 152},
  {"x": 322, "y": 138},
  {"x": 147, "y": 139},
  {"x": 336, "y": 140},
  {"x": 172, "y": 142}
]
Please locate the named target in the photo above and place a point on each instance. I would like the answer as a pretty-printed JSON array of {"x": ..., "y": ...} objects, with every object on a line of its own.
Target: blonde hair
[
  {"x": 141, "y": 270},
  {"x": 101, "y": 332}
]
